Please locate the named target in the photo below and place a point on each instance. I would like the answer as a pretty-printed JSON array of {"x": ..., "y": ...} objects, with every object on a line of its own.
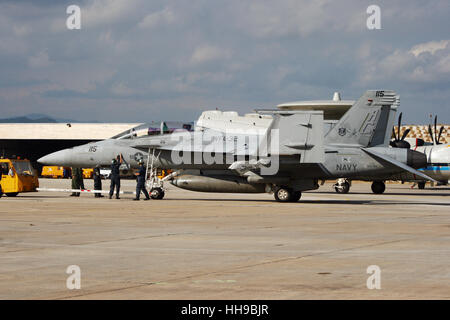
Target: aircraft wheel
[
  {"x": 421, "y": 185},
  {"x": 157, "y": 193},
  {"x": 283, "y": 194},
  {"x": 12, "y": 194},
  {"x": 342, "y": 188},
  {"x": 296, "y": 195},
  {"x": 378, "y": 187}
]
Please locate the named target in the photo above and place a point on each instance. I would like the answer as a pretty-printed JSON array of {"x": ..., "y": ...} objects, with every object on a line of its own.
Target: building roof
[{"x": 62, "y": 131}]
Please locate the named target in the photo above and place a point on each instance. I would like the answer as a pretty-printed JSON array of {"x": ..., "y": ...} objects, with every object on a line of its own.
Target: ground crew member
[
  {"x": 115, "y": 176},
  {"x": 65, "y": 173},
  {"x": 97, "y": 181},
  {"x": 141, "y": 182},
  {"x": 77, "y": 181},
  {"x": 1, "y": 173},
  {"x": 74, "y": 183}
]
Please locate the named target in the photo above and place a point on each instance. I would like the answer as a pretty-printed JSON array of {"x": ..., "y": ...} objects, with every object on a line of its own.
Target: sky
[{"x": 144, "y": 60}]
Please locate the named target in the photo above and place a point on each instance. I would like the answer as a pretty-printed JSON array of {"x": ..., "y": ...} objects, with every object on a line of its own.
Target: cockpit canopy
[{"x": 155, "y": 128}]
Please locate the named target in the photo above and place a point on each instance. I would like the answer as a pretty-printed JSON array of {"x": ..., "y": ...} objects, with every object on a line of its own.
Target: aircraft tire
[
  {"x": 283, "y": 194},
  {"x": 421, "y": 185},
  {"x": 157, "y": 193},
  {"x": 344, "y": 188},
  {"x": 296, "y": 195},
  {"x": 378, "y": 187},
  {"x": 12, "y": 194}
]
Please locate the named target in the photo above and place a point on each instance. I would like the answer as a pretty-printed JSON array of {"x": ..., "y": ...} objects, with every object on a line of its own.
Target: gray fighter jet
[{"x": 284, "y": 152}]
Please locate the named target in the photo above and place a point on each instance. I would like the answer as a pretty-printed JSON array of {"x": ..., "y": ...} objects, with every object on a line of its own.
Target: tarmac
[{"x": 227, "y": 246}]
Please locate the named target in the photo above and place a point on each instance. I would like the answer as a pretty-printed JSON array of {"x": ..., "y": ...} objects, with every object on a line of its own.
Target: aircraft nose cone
[{"x": 58, "y": 158}]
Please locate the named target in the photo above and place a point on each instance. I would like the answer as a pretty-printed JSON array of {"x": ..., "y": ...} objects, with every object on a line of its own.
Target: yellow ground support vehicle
[
  {"x": 164, "y": 172},
  {"x": 53, "y": 172},
  {"x": 18, "y": 176},
  {"x": 88, "y": 173}
]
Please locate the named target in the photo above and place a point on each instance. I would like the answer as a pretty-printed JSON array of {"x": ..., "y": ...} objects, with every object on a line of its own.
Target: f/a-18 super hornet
[{"x": 281, "y": 151}]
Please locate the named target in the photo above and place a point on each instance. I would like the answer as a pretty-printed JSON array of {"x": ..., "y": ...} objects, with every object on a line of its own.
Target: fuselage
[
  {"x": 438, "y": 161},
  {"x": 351, "y": 162}
]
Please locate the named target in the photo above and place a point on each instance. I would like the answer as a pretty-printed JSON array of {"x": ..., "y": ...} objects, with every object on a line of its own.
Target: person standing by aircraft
[
  {"x": 141, "y": 182},
  {"x": 1, "y": 173},
  {"x": 97, "y": 181},
  {"x": 115, "y": 176},
  {"x": 77, "y": 181}
]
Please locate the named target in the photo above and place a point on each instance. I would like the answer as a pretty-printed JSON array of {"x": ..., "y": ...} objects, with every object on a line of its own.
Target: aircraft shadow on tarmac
[
  {"x": 324, "y": 201},
  {"x": 397, "y": 193},
  {"x": 275, "y": 202},
  {"x": 318, "y": 202},
  {"x": 379, "y": 201}
]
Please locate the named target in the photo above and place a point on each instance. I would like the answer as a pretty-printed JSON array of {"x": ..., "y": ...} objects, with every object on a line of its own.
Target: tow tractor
[{"x": 18, "y": 176}]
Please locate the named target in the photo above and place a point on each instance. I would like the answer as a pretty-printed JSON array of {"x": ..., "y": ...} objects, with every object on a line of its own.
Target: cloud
[
  {"x": 165, "y": 16},
  {"x": 108, "y": 12},
  {"x": 40, "y": 60},
  {"x": 122, "y": 89},
  {"x": 153, "y": 58},
  {"x": 430, "y": 47},
  {"x": 423, "y": 63},
  {"x": 207, "y": 53},
  {"x": 263, "y": 19}
]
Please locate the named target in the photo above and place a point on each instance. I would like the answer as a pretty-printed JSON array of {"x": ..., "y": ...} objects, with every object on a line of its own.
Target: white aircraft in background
[{"x": 438, "y": 156}]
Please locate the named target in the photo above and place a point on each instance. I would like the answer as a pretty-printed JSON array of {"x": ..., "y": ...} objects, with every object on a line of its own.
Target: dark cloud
[{"x": 145, "y": 60}]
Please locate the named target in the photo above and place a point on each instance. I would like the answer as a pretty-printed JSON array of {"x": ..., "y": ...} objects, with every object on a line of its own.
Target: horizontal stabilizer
[{"x": 398, "y": 164}]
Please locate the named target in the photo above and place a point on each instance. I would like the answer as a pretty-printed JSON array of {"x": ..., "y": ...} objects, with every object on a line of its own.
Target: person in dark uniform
[
  {"x": 74, "y": 183},
  {"x": 141, "y": 182},
  {"x": 115, "y": 176},
  {"x": 77, "y": 181},
  {"x": 97, "y": 181},
  {"x": 1, "y": 173}
]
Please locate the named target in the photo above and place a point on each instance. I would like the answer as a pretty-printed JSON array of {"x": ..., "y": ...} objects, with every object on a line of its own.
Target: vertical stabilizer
[{"x": 367, "y": 123}]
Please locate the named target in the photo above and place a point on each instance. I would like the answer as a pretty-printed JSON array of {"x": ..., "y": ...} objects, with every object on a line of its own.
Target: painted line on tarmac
[{"x": 82, "y": 190}]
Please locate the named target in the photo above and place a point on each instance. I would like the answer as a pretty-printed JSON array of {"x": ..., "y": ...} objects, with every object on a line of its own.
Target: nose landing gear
[{"x": 157, "y": 193}]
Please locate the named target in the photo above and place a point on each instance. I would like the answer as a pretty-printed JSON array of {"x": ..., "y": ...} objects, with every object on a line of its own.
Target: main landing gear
[
  {"x": 342, "y": 186},
  {"x": 286, "y": 194},
  {"x": 378, "y": 187}
]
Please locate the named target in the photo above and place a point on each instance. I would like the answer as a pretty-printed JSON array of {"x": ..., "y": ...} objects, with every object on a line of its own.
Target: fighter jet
[{"x": 281, "y": 151}]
